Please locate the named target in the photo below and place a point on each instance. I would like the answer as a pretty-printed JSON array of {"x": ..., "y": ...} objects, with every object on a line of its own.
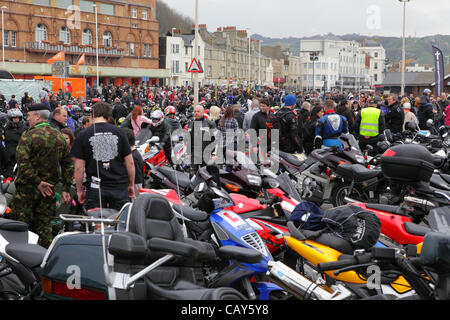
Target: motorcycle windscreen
[
  {"x": 287, "y": 186},
  {"x": 143, "y": 136}
]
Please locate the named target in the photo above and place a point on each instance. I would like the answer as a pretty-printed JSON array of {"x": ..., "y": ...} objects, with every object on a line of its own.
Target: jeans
[{"x": 112, "y": 198}]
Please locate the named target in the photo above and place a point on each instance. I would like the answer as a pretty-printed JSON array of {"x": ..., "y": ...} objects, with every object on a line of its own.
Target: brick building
[{"x": 35, "y": 30}]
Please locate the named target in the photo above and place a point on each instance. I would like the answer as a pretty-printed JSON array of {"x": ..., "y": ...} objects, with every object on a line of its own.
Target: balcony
[{"x": 74, "y": 49}]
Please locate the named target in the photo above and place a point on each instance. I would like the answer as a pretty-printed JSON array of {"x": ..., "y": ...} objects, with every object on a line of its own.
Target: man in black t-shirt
[{"x": 104, "y": 152}]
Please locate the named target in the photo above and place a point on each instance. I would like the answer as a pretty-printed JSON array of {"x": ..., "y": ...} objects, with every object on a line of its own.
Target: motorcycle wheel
[{"x": 341, "y": 191}]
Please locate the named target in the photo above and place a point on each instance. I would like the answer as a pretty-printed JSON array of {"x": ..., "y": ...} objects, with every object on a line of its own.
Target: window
[
  {"x": 186, "y": 66},
  {"x": 144, "y": 14},
  {"x": 134, "y": 25},
  {"x": 147, "y": 50},
  {"x": 63, "y": 4},
  {"x": 130, "y": 49},
  {"x": 376, "y": 54},
  {"x": 42, "y": 2},
  {"x": 86, "y": 37},
  {"x": 376, "y": 66},
  {"x": 86, "y": 6},
  {"x": 64, "y": 35},
  {"x": 6, "y": 38},
  {"x": 134, "y": 12},
  {"x": 107, "y": 39},
  {"x": 107, "y": 9},
  {"x": 40, "y": 32},
  {"x": 13, "y": 38}
]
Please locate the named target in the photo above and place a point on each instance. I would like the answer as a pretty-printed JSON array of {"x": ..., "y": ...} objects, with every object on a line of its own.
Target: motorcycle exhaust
[{"x": 301, "y": 287}]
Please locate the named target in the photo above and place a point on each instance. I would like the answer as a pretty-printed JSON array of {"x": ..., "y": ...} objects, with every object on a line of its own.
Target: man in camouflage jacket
[{"x": 41, "y": 152}]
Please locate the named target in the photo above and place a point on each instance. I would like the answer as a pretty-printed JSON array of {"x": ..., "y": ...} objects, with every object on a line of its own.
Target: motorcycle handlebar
[{"x": 335, "y": 265}]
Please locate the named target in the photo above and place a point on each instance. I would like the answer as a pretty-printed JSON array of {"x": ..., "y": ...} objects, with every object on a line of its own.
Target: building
[
  {"x": 339, "y": 64},
  {"x": 286, "y": 67},
  {"x": 377, "y": 61},
  {"x": 232, "y": 57},
  {"x": 176, "y": 54},
  {"x": 419, "y": 68},
  {"x": 127, "y": 32},
  {"x": 415, "y": 82}
]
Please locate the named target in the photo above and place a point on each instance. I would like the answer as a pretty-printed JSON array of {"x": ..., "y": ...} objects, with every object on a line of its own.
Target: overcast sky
[{"x": 298, "y": 18}]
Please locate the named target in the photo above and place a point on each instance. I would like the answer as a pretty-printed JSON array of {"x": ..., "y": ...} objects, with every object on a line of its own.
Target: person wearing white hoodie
[{"x": 409, "y": 116}]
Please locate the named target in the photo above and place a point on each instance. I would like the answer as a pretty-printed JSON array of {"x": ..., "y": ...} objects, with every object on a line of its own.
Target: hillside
[
  {"x": 418, "y": 49},
  {"x": 169, "y": 18}
]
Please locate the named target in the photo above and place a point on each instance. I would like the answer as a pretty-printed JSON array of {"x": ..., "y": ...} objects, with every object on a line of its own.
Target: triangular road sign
[{"x": 195, "y": 67}]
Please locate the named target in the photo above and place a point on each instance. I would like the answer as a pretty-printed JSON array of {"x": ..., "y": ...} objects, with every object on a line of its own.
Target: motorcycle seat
[
  {"x": 290, "y": 158},
  {"x": 438, "y": 182},
  {"x": 416, "y": 229},
  {"x": 190, "y": 213},
  {"x": 357, "y": 172},
  {"x": 172, "y": 175},
  {"x": 324, "y": 238},
  {"x": 446, "y": 178},
  {"x": 12, "y": 225},
  {"x": 30, "y": 255}
]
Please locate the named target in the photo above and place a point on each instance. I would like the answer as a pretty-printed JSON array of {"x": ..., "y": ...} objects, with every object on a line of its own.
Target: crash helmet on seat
[{"x": 157, "y": 117}]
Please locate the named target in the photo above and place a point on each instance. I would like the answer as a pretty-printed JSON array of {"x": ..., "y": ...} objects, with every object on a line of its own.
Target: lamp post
[
  {"x": 96, "y": 43},
  {"x": 3, "y": 37},
  {"x": 249, "y": 60},
  {"x": 196, "y": 89},
  {"x": 403, "y": 47}
]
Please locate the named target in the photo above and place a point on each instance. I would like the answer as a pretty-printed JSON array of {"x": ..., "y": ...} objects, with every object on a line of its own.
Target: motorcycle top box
[{"x": 407, "y": 164}]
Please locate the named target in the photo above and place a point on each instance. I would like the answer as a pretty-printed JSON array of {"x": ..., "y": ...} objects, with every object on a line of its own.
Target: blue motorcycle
[{"x": 226, "y": 228}]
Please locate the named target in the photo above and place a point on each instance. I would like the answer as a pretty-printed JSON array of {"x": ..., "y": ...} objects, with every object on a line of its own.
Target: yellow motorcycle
[{"x": 361, "y": 283}]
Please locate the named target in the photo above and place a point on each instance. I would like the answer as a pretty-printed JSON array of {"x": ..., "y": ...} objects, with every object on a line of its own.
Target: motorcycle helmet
[
  {"x": 76, "y": 111},
  {"x": 170, "y": 110},
  {"x": 411, "y": 126},
  {"x": 15, "y": 113},
  {"x": 157, "y": 117},
  {"x": 426, "y": 91}
]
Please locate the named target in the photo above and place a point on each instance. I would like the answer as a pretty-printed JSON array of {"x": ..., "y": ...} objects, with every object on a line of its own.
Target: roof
[{"x": 411, "y": 79}]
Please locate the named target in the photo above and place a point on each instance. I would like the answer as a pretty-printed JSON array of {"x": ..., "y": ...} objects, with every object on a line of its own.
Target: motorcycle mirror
[{"x": 214, "y": 171}]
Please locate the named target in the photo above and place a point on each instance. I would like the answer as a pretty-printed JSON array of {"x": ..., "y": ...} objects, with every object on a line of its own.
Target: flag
[
  {"x": 60, "y": 56},
  {"x": 439, "y": 70},
  {"x": 80, "y": 61}
]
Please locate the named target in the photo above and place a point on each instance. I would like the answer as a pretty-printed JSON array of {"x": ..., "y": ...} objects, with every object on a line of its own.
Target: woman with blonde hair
[{"x": 214, "y": 114}]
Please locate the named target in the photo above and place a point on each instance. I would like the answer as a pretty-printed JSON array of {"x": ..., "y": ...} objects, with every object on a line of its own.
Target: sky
[{"x": 300, "y": 18}]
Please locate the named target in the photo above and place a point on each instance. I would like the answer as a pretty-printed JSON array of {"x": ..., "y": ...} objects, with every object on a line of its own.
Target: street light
[
  {"x": 314, "y": 56},
  {"x": 96, "y": 41},
  {"x": 3, "y": 37},
  {"x": 403, "y": 47}
]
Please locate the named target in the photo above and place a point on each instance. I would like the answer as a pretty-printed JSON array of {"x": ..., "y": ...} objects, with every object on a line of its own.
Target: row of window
[
  {"x": 86, "y": 39},
  {"x": 86, "y": 6}
]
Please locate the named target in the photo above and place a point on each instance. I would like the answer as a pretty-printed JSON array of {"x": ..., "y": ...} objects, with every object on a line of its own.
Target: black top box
[{"x": 407, "y": 163}]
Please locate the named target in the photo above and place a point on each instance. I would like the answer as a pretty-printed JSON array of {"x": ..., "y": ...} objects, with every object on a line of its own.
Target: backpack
[
  {"x": 308, "y": 216},
  {"x": 360, "y": 227}
]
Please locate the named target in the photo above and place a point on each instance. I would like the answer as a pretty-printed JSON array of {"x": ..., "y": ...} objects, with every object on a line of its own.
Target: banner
[
  {"x": 80, "y": 61},
  {"x": 439, "y": 70},
  {"x": 60, "y": 56}
]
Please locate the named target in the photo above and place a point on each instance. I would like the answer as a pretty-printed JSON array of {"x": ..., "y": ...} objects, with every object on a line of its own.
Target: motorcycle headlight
[{"x": 254, "y": 180}]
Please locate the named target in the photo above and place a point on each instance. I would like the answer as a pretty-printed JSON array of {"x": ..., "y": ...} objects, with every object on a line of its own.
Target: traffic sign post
[{"x": 195, "y": 67}]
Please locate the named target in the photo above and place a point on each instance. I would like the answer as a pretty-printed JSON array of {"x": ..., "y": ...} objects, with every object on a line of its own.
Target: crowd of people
[{"x": 53, "y": 140}]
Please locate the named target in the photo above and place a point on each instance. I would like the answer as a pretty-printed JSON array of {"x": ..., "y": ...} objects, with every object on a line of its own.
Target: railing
[{"x": 73, "y": 49}]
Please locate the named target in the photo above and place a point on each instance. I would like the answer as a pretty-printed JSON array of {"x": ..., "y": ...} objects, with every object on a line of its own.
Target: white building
[
  {"x": 340, "y": 64},
  {"x": 419, "y": 68},
  {"x": 178, "y": 56},
  {"x": 377, "y": 55}
]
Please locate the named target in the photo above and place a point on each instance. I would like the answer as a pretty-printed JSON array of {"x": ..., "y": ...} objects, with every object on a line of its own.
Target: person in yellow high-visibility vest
[{"x": 369, "y": 124}]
